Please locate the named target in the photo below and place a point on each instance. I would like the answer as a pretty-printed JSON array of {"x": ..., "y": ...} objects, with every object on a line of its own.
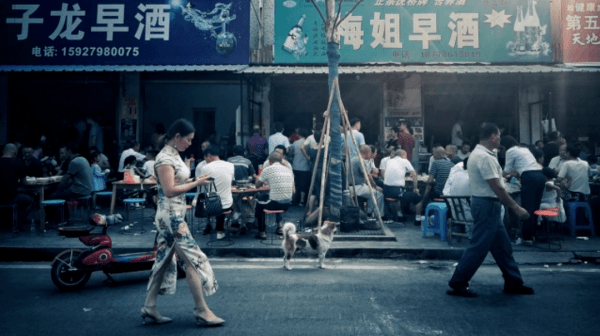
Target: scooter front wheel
[{"x": 65, "y": 275}]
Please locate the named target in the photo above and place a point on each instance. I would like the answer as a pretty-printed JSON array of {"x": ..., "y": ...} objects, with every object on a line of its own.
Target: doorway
[{"x": 204, "y": 121}]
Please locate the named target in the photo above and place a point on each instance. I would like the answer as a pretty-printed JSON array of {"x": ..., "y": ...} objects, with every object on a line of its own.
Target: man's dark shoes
[
  {"x": 207, "y": 230},
  {"x": 519, "y": 290},
  {"x": 462, "y": 291}
]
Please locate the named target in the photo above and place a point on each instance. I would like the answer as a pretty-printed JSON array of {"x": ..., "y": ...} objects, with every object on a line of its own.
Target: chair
[
  {"x": 457, "y": 216},
  {"x": 545, "y": 214},
  {"x": 57, "y": 202},
  {"x": 15, "y": 227},
  {"x": 267, "y": 215},
  {"x": 573, "y": 224},
  {"x": 439, "y": 223},
  {"x": 226, "y": 241},
  {"x": 128, "y": 203}
]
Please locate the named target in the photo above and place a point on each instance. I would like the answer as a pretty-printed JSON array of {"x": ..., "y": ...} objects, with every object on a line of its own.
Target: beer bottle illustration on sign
[{"x": 295, "y": 42}]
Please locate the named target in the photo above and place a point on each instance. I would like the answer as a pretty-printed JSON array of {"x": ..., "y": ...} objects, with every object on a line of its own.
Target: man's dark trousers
[{"x": 489, "y": 235}]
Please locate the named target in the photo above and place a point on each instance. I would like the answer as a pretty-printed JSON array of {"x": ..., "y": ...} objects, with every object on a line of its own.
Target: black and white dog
[{"x": 317, "y": 243}]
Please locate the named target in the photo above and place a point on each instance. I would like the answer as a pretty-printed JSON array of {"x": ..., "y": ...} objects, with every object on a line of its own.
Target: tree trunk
[{"x": 335, "y": 171}]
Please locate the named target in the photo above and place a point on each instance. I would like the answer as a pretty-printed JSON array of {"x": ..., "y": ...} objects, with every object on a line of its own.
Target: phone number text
[{"x": 100, "y": 51}]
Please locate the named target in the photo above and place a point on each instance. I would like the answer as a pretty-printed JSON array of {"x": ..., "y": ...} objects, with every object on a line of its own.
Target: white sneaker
[{"x": 220, "y": 235}]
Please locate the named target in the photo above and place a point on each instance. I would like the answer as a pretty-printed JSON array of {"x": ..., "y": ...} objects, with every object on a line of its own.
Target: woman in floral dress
[{"x": 174, "y": 237}]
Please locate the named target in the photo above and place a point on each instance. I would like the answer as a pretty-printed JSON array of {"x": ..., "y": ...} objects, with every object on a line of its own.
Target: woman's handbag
[{"x": 209, "y": 203}]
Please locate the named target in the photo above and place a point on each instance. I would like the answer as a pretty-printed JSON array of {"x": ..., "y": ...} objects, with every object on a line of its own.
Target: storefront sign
[
  {"x": 145, "y": 32},
  {"x": 418, "y": 31},
  {"x": 580, "y": 31}
]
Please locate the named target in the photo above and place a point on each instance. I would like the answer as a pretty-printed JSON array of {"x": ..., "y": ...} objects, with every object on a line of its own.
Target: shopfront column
[{"x": 530, "y": 113}]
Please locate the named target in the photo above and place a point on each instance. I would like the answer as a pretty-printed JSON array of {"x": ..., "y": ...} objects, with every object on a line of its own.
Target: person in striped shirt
[{"x": 438, "y": 174}]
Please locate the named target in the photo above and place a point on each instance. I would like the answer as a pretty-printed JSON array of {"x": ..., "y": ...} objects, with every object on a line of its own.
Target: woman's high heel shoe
[
  {"x": 151, "y": 313},
  {"x": 217, "y": 321}
]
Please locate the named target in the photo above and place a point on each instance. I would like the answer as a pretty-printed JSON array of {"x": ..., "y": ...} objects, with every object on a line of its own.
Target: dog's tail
[{"x": 288, "y": 230}]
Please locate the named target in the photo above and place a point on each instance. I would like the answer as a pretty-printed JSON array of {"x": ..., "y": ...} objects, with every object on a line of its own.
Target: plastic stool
[
  {"x": 573, "y": 206},
  {"x": 15, "y": 228},
  {"x": 59, "y": 202},
  {"x": 392, "y": 206},
  {"x": 440, "y": 226},
  {"x": 270, "y": 239},
  {"x": 226, "y": 241},
  {"x": 130, "y": 201},
  {"x": 545, "y": 214},
  {"x": 75, "y": 202},
  {"x": 103, "y": 193}
]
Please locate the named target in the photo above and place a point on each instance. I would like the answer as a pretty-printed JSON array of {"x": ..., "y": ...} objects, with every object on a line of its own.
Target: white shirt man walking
[{"x": 489, "y": 233}]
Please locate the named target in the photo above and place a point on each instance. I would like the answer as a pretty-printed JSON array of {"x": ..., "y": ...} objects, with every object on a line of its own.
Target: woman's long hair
[{"x": 181, "y": 126}]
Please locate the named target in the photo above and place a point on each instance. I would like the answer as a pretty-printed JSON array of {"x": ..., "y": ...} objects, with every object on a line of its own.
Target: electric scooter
[{"x": 72, "y": 268}]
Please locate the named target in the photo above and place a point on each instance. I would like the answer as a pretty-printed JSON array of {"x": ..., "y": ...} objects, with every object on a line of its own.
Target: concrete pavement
[{"x": 395, "y": 241}]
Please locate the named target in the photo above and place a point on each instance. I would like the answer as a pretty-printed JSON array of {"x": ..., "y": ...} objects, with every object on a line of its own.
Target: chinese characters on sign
[
  {"x": 418, "y": 31},
  {"x": 580, "y": 31},
  {"x": 126, "y": 32}
]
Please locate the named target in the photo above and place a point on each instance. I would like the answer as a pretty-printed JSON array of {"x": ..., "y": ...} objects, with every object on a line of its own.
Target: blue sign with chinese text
[
  {"x": 418, "y": 31},
  {"x": 125, "y": 32}
]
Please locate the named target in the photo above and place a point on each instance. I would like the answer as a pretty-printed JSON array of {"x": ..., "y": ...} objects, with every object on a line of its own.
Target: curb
[{"x": 46, "y": 254}]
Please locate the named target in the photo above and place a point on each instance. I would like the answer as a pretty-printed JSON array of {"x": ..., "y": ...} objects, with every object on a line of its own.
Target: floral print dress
[{"x": 172, "y": 229}]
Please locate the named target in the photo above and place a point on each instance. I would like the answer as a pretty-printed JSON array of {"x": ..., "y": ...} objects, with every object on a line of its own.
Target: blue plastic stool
[
  {"x": 440, "y": 226},
  {"x": 129, "y": 202},
  {"x": 102, "y": 193},
  {"x": 58, "y": 202},
  {"x": 573, "y": 226}
]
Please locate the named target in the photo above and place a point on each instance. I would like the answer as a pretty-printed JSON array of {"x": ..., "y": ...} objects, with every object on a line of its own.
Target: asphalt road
[{"x": 353, "y": 297}]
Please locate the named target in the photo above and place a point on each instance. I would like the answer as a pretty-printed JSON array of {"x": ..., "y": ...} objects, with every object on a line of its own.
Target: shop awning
[
  {"x": 120, "y": 68},
  {"x": 428, "y": 68}
]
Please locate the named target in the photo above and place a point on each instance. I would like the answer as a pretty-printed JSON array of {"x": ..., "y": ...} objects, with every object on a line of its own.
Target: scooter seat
[{"x": 75, "y": 231}]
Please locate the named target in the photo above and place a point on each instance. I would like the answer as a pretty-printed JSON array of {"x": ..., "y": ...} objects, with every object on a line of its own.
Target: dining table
[
  {"x": 39, "y": 186},
  {"x": 246, "y": 191},
  {"x": 421, "y": 181},
  {"x": 145, "y": 184}
]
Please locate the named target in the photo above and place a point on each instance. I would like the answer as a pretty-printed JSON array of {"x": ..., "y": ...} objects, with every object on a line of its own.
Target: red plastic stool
[
  {"x": 545, "y": 214},
  {"x": 270, "y": 240}
]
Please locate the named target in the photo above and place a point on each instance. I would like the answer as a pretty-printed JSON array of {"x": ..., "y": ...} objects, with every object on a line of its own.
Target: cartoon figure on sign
[
  {"x": 295, "y": 43},
  {"x": 211, "y": 21}
]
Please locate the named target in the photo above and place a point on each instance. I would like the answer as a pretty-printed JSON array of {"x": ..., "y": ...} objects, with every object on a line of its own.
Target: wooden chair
[{"x": 457, "y": 215}]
